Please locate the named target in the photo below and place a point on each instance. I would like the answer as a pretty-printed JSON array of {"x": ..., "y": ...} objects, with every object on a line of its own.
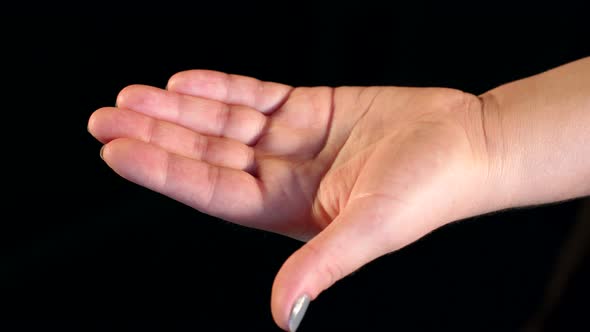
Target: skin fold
[{"x": 349, "y": 170}]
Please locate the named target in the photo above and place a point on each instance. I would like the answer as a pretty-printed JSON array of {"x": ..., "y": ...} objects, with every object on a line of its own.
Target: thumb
[{"x": 357, "y": 236}]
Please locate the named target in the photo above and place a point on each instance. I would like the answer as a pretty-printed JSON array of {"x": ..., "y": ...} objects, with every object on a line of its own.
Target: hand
[{"x": 357, "y": 171}]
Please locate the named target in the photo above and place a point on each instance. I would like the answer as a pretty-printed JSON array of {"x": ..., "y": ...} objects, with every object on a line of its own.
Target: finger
[
  {"x": 353, "y": 239},
  {"x": 222, "y": 192},
  {"x": 109, "y": 123},
  {"x": 231, "y": 89},
  {"x": 208, "y": 117}
]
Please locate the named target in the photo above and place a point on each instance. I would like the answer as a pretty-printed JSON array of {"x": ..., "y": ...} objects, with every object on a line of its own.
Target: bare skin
[{"x": 355, "y": 172}]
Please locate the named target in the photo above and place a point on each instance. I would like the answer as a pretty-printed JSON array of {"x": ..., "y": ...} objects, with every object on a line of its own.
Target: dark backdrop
[{"x": 86, "y": 248}]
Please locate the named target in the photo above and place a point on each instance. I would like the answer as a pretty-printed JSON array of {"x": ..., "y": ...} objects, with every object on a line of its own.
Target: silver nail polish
[{"x": 297, "y": 312}]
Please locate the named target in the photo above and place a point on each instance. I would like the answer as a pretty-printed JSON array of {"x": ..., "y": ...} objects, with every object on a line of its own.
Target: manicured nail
[
  {"x": 101, "y": 150},
  {"x": 297, "y": 312}
]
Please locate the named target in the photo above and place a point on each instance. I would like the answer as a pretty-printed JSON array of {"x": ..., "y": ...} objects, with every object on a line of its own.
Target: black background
[{"x": 85, "y": 248}]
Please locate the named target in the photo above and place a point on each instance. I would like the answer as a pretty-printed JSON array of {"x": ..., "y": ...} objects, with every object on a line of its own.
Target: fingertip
[
  {"x": 171, "y": 84},
  {"x": 118, "y": 155},
  {"x": 123, "y": 94},
  {"x": 291, "y": 292},
  {"x": 288, "y": 314},
  {"x": 132, "y": 94},
  {"x": 91, "y": 125},
  {"x": 114, "y": 149},
  {"x": 200, "y": 82},
  {"x": 278, "y": 299},
  {"x": 113, "y": 152},
  {"x": 298, "y": 311},
  {"x": 100, "y": 125},
  {"x": 105, "y": 152},
  {"x": 176, "y": 79}
]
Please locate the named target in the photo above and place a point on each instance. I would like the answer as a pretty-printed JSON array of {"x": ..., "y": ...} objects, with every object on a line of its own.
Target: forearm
[{"x": 538, "y": 136}]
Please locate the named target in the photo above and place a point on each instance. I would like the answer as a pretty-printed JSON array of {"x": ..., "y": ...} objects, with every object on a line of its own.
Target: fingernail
[
  {"x": 297, "y": 312},
  {"x": 101, "y": 150}
]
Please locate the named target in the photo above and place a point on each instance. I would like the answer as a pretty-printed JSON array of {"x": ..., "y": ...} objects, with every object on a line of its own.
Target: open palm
[{"x": 358, "y": 171}]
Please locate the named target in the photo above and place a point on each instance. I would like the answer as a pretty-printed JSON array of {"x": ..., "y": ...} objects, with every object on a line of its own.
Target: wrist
[
  {"x": 487, "y": 175},
  {"x": 501, "y": 169}
]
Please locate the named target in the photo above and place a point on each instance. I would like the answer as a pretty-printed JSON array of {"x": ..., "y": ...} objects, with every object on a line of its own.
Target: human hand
[{"x": 357, "y": 172}]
